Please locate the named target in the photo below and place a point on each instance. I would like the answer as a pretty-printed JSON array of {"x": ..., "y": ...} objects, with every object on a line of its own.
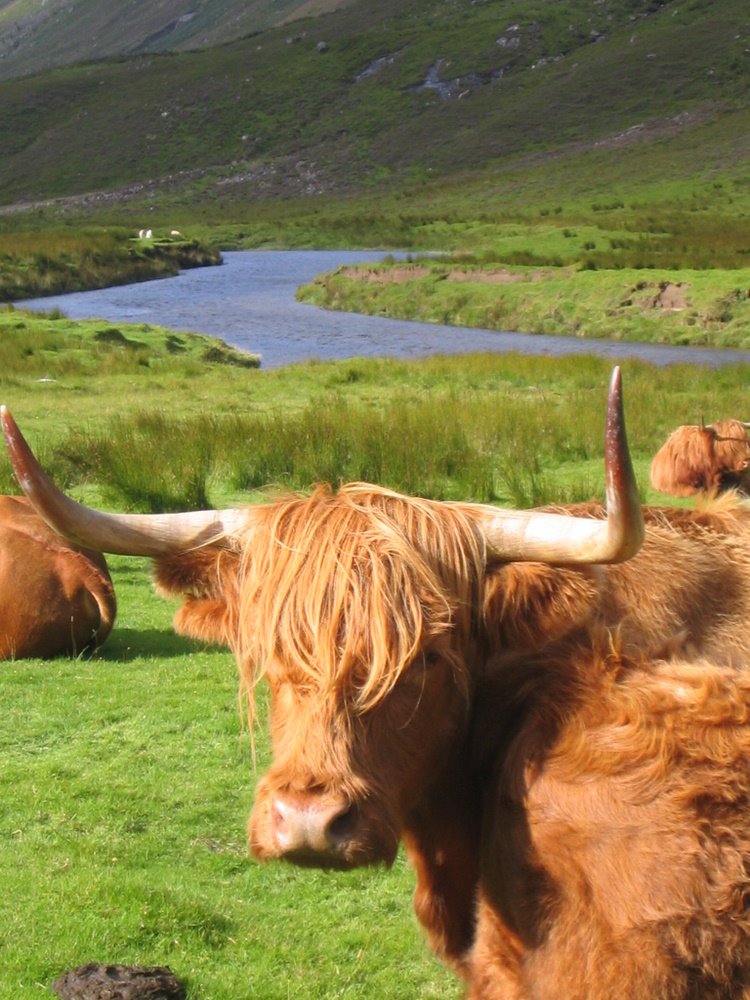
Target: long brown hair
[{"x": 387, "y": 575}]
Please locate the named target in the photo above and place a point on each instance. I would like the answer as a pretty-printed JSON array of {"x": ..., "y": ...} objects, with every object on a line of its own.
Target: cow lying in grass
[
  {"x": 706, "y": 459},
  {"x": 56, "y": 598},
  {"x": 547, "y": 712}
]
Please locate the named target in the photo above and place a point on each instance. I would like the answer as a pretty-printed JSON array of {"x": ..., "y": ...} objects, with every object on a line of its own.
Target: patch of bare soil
[
  {"x": 496, "y": 276},
  {"x": 412, "y": 272},
  {"x": 672, "y": 297},
  {"x": 393, "y": 276}
]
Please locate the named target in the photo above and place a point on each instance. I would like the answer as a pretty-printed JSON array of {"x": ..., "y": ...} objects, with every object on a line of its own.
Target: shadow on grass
[{"x": 133, "y": 643}]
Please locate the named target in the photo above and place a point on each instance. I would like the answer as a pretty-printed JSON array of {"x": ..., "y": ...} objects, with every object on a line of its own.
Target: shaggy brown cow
[
  {"x": 574, "y": 809},
  {"x": 615, "y": 839},
  {"x": 57, "y": 598},
  {"x": 706, "y": 459}
]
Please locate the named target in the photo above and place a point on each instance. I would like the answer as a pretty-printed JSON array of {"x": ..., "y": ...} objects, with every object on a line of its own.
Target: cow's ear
[
  {"x": 205, "y": 620},
  {"x": 208, "y": 580},
  {"x": 528, "y": 605},
  {"x": 731, "y": 447},
  {"x": 206, "y": 572}
]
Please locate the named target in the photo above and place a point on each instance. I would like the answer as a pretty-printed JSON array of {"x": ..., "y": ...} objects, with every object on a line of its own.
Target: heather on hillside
[{"x": 380, "y": 96}]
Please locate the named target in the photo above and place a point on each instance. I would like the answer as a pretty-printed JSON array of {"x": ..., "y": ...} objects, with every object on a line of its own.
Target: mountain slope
[
  {"x": 363, "y": 96},
  {"x": 38, "y": 34}
]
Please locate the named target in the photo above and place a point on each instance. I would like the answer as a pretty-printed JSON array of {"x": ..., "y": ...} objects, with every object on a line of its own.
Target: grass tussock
[{"x": 47, "y": 345}]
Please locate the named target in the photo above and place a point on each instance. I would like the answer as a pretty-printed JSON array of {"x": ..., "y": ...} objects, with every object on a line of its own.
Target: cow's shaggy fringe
[{"x": 390, "y": 577}]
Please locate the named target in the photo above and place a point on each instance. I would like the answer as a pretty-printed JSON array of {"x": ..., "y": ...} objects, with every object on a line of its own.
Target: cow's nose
[{"x": 311, "y": 825}]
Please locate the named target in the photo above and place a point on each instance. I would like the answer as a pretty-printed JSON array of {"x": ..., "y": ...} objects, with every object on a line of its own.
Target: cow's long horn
[
  {"x": 562, "y": 538},
  {"x": 126, "y": 534}
]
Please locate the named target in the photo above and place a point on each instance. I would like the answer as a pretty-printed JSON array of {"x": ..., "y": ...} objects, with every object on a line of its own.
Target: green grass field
[{"x": 128, "y": 777}]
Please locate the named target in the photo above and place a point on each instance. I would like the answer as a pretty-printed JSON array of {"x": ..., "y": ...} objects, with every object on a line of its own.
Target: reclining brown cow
[
  {"x": 706, "y": 459},
  {"x": 58, "y": 597},
  {"x": 510, "y": 693}
]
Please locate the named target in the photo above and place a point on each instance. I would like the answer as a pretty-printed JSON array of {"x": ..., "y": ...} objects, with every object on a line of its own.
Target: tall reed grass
[
  {"x": 515, "y": 429},
  {"x": 446, "y": 445}
]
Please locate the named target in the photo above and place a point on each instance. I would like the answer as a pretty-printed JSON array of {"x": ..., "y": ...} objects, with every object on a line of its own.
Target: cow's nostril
[
  {"x": 342, "y": 827},
  {"x": 278, "y": 818},
  {"x": 309, "y": 825}
]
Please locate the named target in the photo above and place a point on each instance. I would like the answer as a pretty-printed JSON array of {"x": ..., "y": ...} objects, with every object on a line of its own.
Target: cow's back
[{"x": 688, "y": 588}]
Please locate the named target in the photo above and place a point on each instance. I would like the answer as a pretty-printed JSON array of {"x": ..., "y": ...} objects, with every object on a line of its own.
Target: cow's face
[
  {"x": 732, "y": 447},
  {"x": 343, "y": 781}
]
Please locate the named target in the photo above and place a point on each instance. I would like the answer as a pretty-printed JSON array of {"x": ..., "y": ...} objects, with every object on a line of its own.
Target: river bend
[{"x": 250, "y": 303}]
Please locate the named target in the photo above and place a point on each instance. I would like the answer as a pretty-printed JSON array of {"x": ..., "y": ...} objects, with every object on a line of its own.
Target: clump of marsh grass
[
  {"x": 133, "y": 463},
  {"x": 447, "y": 445}
]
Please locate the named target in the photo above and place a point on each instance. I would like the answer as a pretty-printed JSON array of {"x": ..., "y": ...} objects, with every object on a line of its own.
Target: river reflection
[{"x": 249, "y": 302}]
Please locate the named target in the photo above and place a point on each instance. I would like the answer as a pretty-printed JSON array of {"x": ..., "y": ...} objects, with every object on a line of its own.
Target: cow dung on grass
[{"x": 119, "y": 982}]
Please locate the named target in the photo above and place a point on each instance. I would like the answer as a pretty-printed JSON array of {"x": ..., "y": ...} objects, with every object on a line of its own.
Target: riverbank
[
  {"x": 58, "y": 261},
  {"x": 680, "y": 307}
]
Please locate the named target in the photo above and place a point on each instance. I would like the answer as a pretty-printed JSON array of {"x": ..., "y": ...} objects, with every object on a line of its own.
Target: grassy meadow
[
  {"x": 128, "y": 776},
  {"x": 126, "y": 781}
]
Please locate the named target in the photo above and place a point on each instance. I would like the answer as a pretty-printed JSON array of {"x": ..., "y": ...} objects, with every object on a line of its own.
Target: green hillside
[
  {"x": 38, "y": 34},
  {"x": 407, "y": 91},
  {"x": 587, "y": 164}
]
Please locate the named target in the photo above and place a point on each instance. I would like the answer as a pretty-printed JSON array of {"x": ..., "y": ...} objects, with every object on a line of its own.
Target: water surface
[{"x": 249, "y": 302}]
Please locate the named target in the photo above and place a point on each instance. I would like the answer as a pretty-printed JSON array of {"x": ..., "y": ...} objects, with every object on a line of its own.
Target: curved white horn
[
  {"x": 125, "y": 534},
  {"x": 540, "y": 536}
]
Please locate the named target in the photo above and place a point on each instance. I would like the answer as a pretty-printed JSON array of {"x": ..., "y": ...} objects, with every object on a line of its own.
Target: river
[{"x": 249, "y": 302}]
